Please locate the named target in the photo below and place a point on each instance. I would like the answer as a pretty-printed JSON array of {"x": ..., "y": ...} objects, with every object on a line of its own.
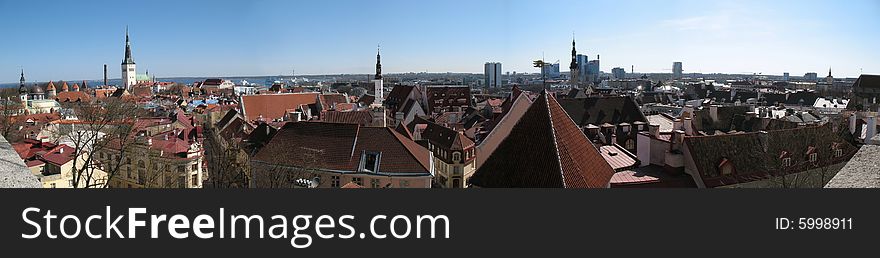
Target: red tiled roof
[
  {"x": 331, "y": 100},
  {"x": 363, "y": 117},
  {"x": 339, "y": 147},
  {"x": 60, "y": 155},
  {"x": 352, "y": 185},
  {"x": 618, "y": 158},
  {"x": 72, "y": 96},
  {"x": 632, "y": 177},
  {"x": 544, "y": 149},
  {"x": 274, "y": 106}
]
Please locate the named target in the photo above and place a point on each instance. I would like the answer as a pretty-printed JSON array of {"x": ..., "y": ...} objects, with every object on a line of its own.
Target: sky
[{"x": 71, "y": 40}]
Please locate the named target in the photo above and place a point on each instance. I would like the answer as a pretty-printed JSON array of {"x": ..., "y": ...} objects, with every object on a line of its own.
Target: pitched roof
[
  {"x": 339, "y": 147},
  {"x": 446, "y": 138},
  {"x": 544, "y": 149},
  {"x": 274, "y": 106},
  {"x": 72, "y": 96},
  {"x": 600, "y": 110},
  {"x": 363, "y": 117},
  {"x": 750, "y": 159}
]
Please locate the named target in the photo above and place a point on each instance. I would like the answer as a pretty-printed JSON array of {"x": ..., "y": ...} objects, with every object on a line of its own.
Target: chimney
[
  {"x": 654, "y": 130},
  {"x": 763, "y": 136},
  {"x": 105, "y": 75},
  {"x": 677, "y": 139},
  {"x": 688, "y": 126},
  {"x": 852, "y": 123},
  {"x": 676, "y": 124},
  {"x": 296, "y": 116},
  {"x": 871, "y": 129},
  {"x": 608, "y": 132},
  {"x": 592, "y": 131},
  {"x": 713, "y": 112}
]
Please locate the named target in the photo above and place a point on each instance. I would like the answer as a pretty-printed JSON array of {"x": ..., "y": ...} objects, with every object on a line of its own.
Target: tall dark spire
[
  {"x": 127, "y": 59},
  {"x": 21, "y": 81},
  {"x": 21, "y": 88},
  {"x": 573, "y": 65},
  {"x": 378, "y": 64}
]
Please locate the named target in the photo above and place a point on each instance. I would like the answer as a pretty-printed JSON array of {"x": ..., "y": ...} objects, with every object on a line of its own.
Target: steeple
[
  {"x": 21, "y": 81},
  {"x": 829, "y": 71},
  {"x": 378, "y": 64},
  {"x": 573, "y": 65},
  {"x": 127, "y": 59}
]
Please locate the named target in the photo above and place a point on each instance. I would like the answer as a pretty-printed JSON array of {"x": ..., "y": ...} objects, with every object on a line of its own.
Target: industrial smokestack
[{"x": 105, "y": 74}]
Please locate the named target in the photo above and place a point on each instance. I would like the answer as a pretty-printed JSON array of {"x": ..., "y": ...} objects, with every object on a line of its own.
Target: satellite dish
[{"x": 316, "y": 181}]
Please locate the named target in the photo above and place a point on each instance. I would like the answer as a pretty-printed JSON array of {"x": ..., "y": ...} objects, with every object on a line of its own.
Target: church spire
[
  {"x": 378, "y": 64},
  {"x": 127, "y": 59},
  {"x": 21, "y": 81},
  {"x": 573, "y": 65}
]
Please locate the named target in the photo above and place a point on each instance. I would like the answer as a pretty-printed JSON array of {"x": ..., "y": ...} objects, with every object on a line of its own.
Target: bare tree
[
  {"x": 228, "y": 164},
  {"x": 101, "y": 136},
  {"x": 274, "y": 175},
  {"x": 10, "y": 113}
]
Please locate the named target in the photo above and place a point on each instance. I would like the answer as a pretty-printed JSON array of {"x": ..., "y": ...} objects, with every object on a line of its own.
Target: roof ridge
[{"x": 553, "y": 135}]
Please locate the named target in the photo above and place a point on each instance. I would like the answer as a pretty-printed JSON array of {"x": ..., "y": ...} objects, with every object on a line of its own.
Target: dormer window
[
  {"x": 456, "y": 156},
  {"x": 786, "y": 162},
  {"x": 370, "y": 161},
  {"x": 838, "y": 153},
  {"x": 812, "y": 154},
  {"x": 814, "y": 157}
]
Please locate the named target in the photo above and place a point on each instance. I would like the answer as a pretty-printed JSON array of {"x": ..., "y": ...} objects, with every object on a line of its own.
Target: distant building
[
  {"x": 618, "y": 73},
  {"x": 492, "y": 74},
  {"x": 593, "y": 70},
  {"x": 811, "y": 77},
  {"x": 551, "y": 70},
  {"x": 676, "y": 70},
  {"x": 448, "y": 98},
  {"x": 129, "y": 72},
  {"x": 785, "y": 77}
]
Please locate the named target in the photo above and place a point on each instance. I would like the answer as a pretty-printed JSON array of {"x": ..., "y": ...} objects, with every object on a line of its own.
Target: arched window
[{"x": 456, "y": 156}]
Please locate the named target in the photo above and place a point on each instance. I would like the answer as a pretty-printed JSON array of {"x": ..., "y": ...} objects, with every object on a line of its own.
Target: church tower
[
  {"x": 22, "y": 91},
  {"x": 129, "y": 72},
  {"x": 574, "y": 68},
  {"x": 377, "y": 109},
  {"x": 377, "y": 80}
]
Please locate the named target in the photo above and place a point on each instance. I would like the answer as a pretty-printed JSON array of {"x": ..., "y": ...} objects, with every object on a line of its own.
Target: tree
[{"x": 101, "y": 127}]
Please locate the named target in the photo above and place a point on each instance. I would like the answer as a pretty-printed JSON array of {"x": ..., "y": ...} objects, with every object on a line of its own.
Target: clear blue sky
[{"x": 70, "y": 40}]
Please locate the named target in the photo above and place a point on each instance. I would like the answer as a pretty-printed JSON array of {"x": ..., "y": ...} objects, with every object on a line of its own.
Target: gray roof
[
  {"x": 862, "y": 171},
  {"x": 13, "y": 173}
]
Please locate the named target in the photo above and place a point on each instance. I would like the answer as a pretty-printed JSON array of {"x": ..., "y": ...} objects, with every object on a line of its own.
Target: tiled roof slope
[
  {"x": 544, "y": 149},
  {"x": 600, "y": 110}
]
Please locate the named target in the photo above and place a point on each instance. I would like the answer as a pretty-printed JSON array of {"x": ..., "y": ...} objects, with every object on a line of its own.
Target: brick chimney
[
  {"x": 688, "y": 126},
  {"x": 871, "y": 129}
]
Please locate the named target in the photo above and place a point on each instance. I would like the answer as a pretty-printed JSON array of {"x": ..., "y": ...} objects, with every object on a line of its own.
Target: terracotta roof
[
  {"x": 274, "y": 106},
  {"x": 352, "y": 185},
  {"x": 331, "y": 100},
  {"x": 363, "y": 117},
  {"x": 64, "y": 87},
  {"x": 339, "y": 147},
  {"x": 366, "y": 99},
  {"x": 72, "y": 96},
  {"x": 618, "y": 158},
  {"x": 544, "y": 149},
  {"x": 59, "y": 155}
]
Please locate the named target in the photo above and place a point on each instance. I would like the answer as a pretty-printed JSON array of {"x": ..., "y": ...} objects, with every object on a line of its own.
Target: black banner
[{"x": 481, "y": 222}]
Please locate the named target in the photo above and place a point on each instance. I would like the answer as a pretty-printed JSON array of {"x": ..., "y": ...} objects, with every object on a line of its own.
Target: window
[
  {"x": 813, "y": 157},
  {"x": 181, "y": 182},
  {"x": 838, "y": 153},
  {"x": 456, "y": 157},
  {"x": 370, "y": 161},
  {"x": 786, "y": 162},
  {"x": 357, "y": 180},
  {"x": 195, "y": 180},
  {"x": 404, "y": 184},
  {"x": 456, "y": 170},
  {"x": 727, "y": 170},
  {"x": 374, "y": 183},
  {"x": 334, "y": 181},
  {"x": 195, "y": 167},
  {"x": 52, "y": 185},
  {"x": 630, "y": 144},
  {"x": 456, "y": 182}
]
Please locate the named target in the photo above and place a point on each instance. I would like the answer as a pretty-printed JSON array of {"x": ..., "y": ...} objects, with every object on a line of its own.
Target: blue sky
[{"x": 71, "y": 40}]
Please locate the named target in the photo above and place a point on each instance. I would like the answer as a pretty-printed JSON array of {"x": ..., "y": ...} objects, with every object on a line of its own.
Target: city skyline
[{"x": 224, "y": 39}]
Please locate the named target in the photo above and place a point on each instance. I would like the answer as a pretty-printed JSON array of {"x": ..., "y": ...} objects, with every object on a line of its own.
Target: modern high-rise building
[
  {"x": 618, "y": 73},
  {"x": 492, "y": 74},
  {"x": 129, "y": 73},
  {"x": 811, "y": 77},
  {"x": 593, "y": 70},
  {"x": 786, "y": 77},
  {"x": 551, "y": 70},
  {"x": 676, "y": 70}
]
